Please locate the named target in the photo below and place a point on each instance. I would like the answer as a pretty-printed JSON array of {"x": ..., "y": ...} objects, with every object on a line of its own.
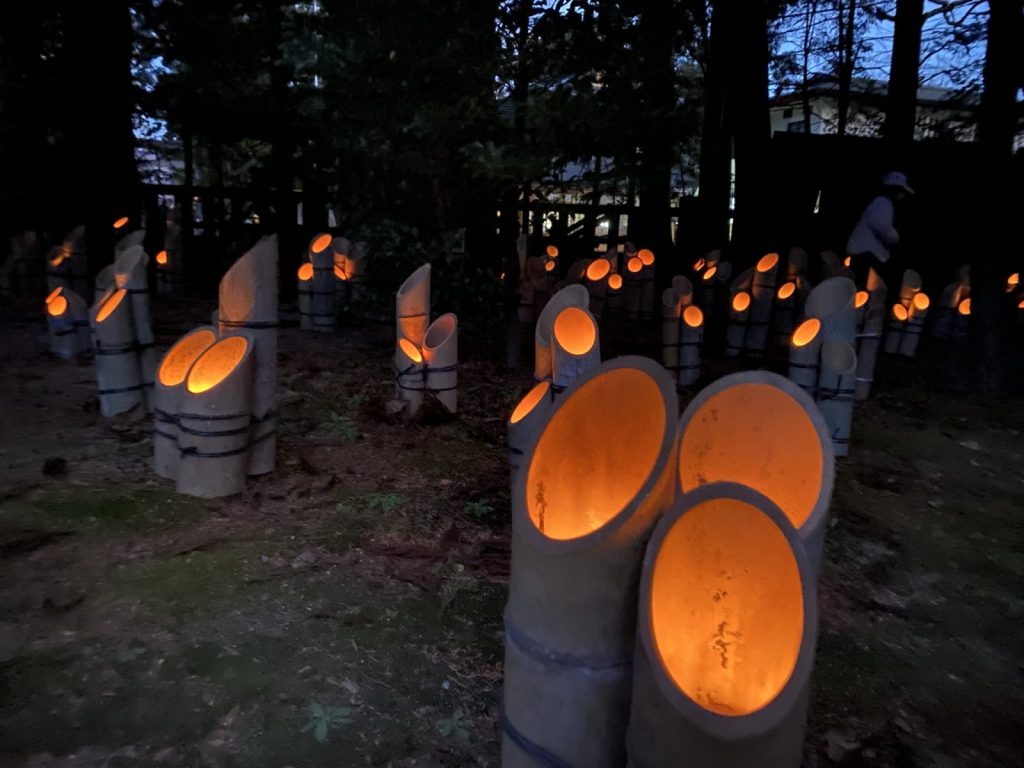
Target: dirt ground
[{"x": 346, "y": 611}]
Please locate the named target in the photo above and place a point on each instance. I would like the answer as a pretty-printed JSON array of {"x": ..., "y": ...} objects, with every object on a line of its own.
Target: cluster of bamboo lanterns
[
  {"x": 216, "y": 392},
  {"x": 330, "y": 278},
  {"x": 426, "y": 353},
  {"x": 907, "y": 317},
  {"x": 67, "y": 317},
  {"x": 573, "y": 296},
  {"x": 661, "y": 605}
]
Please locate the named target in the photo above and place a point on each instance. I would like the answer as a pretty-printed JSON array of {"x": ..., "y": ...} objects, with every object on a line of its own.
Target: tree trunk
[
  {"x": 805, "y": 92},
  {"x": 846, "y": 62},
  {"x": 716, "y": 134},
  {"x": 901, "y": 102}
]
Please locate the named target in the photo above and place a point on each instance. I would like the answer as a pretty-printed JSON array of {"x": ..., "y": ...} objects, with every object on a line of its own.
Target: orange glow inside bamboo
[
  {"x": 698, "y": 265},
  {"x": 860, "y": 299},
  {"x": 340, "y": 273},
  {"x": 575, "y": 331},
  {"x": 56, "y": 261},
  {"x": 727, "y": 613},
  {"x": 216, "y": 364},
  {"x": 55, "y": 293},
  {"x": 112, "y": 303},
  {"x": 964, "y": 307},
  {"x": 161, "y": 258},
  {"x": 528, "y": 403},
  {"x": 921, "y": 301},
  {"x": 585, "y": 468},
  {"x": 710, "y": 273},
  {"x": 615, "y": 282},
  {"x": 321, "y": 243},
  {"x": 847, "y": 261},
  {"x": 410, "y": 350},
  {"x": 57, "y": 307},
  {"x": 306, "y": 271},
  {"x": 180, "y": 357},
  {"x": 549, "y": 266},
  {"x": 120, "y": 223},
  {"x": 767, "y": 262},
  {"x": 741, "y": 301},
  {"x": 787, "y": 290},
  {"x": 646, "y": 256},
  {"x": 1013, "y": 281},
  {"x": 693, "y": 317},
  {"x": 634, "y": 265},
  {"x": 1021, "y": 304},
  {"x": 551, "y": 251},
  {"x": 598, "y": 269},
  {"x": 899, "y": 312},
  {"x": 806, "y": 332}
]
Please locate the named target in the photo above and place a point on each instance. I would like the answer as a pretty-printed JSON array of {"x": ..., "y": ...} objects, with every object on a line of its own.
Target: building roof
[{"x": 866, "y": 90}]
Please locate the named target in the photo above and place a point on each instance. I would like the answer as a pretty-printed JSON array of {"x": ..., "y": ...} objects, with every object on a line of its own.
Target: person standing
[{"x": 871, "y": 242}]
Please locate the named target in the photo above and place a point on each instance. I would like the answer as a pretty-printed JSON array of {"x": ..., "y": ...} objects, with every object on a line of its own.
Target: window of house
[
  {"x": 787, "y": 112},
  {"x": 797, "y": 126}
]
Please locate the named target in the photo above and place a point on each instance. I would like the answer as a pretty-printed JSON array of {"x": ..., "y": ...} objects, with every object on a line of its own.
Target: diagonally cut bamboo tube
[
  {"x": 130, "y": 274},
  {"x": 671, "y": 314},
  {"x": 736, "y": 331},
  {"x": 441, "y": 357},
  {"x": 68, "y": 320},
  {"x": 726, "y": 636},
  {"x": 248, "y": 302},
  {"x": 832, "y": 302},
  {"x": 796, "y": 263},
  {"x": 412, "y": 306},
  {"x": 593, "y": 483},
  {"x": 708, "y": 287},
  {"x": 836, "y": 382},
  {"x": 782, "y": 318},
  {"x": 529, "y": 415},
  {"x": 575, "y": 346},
  {"x": 170, "y": 381},
  {"x": 305, "y": 276},
  {"x": 805, "y": 355},
  {"x": 634, "y": 287},
  {"x": 762, "y": 431},
  {"x": 58, "y": 269},
  {"x": 130, "y": 240},
  {"x": 762, "y": 291},
  {"x": 870, "y": 337},
  {"x": 104, "y": 282},
  {"x": 340, "y": 247},
  {"x": 682, "y": 286},
  {"x": 570, "y": 296},
  {"x": 117, "y": 359},
  {"x": 691, "y": 334},
  {"x": 915, "y": 324},
  {"x": 894, "y": 334},
  {"x": 322, "y": 289},
  {"x": 215, "y": 420},
  {"x": 911, "y": 285},
  {"x": 597, "y": 284}
]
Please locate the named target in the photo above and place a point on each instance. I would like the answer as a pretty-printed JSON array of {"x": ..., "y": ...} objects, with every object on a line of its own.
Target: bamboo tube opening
[
  {"x": 847, "y": 261},
  {"x": 439, "y": 331},
  {"x": 964, "y": 307},
  {"x": 180, "y": 357},
  {"x": 900, "y": 312},
  {"x": 912, "y": 280},
  {"x": 741, "y": 301},
  {"x": 528, "y": 403},
  {"x": 1021, "y": 304},
  {"x": 921, "y": 302},
  {"x": 549, "y": 266},
  {"x": 727, "y": 607},
  {"x": 634, "y": 265},
  {"x": 161, "y": 258},
  {"x": 646, "y": 256},
  {"x": 321, "y": 243},
  {"x": 767, "y": 262},
  {"x": 806, "y": 332},
  {"x": 698, "y": 265},
  {"x": 693, "y": 317},
  {"x": 575, "y": 331},
  {"x": 710, "y": 273},
  {"x": 615, "y": 282},
  {"x": 410, "y": 350},
  {"x": 57, "y": 307},
  {"x": 216, "y": 364},
  {"x": 1012, "y": 281},
  {"x": 120, "y": 223},
  {"x": 340, "y": 273},
  {"x": 787, "y": 290},
  {"x": 551, "y": 251},
  {"x": 110, "y": 304},
  {"x": 598, "y": 269},
  {"x": 586, "y": 467},
  {"x": 860, "y": 299},
  {"x": 54, "y": 294},
  {"x": 56, "y": 261},
  {"x": 306, "y": 271}
]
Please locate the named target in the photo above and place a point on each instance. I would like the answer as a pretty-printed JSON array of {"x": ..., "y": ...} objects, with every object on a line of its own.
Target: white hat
[{"x": 896, "y": 179}]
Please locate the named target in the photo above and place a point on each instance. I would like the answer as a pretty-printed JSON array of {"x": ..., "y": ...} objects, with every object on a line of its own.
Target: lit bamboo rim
[
  {"x": 741, "y": 301},
  {"x": 964, "y": 308},
  {"x": 646, "y": 256},
  {"x": 709, "y": 274},
  {"x": 806, "y": 332},
  {"x": 787, "y": 290},
  {"x": 575, "y": 331},
  {"x": 727, "y": 607},
  {"x": 306, "y": 271},
  {"x": 847, "y": 261},
  {"x": 57, "y": 260},
  {"x": 216, "y": 364},
  {"x": 112, "y": 303},
  {"x": 57, "y": 307},
  {"x": 528, "y": 403},
  {"x": 693, "y": 317},
  {"x": 1012, "y": 281},
  {"x": 551, "y": 251},
  {"x": 899, "y": 312},
  {"x": 634, "y": 265},
  {"x": 55, "y": 293},
  {"x": 767, "y": 262},
  {"x": 860, "y": 299},
  {"x": 1021, "y": 304},
  {"x": 549, "y": 266},
  {"x": 179, "y": 359},
  {"x": 339, "y": 273},
  {"x": 161, "y": 258},
  {"x": 615, "y": 282},
  {"x": 598, "y": 269},
  {"x": 321, "y": 243},
  {"x": 921, "y": 302},
  {"x": 698, "y": 265},
  {"x": 410, "y": 350},
  {"x": 120, "y": 222}
]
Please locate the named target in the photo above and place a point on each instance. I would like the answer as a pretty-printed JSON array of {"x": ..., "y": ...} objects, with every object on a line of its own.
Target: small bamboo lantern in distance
[
  {"x": 614, "y": 297},
  {"x": 575, "y": 346},
  {"x": 117, "y": 359},
  {"x": 869, "y": 337},
  {"x": 570, "y": 296},
  {"x": 897, "y": 322},
  {"x": 682, "y": 286},
  {"x": 762, "y": 292},
  {"x": 805, "y": 355},
  {"x": 214, "y": 421},
  {"x": 412, "y": 317},
  {"x": 634, "y": 287},
  {"x": 68, "y": 320},
  {"x": 915, "y": 324},
  {"x": 963, "y": 318},
  {"x": 322, "y": 288},
  {"x": 836, "y": 381},
  {"x": 529, "y": 415},
  {"x": 590, "y": 489},
  {"x": 130, "y": 274},
  {"x": 163, "y": 272},
  {"x": 441, "y": 358},
  {"x": 911, "y": 285},
  {"x": 762, "y": 431},
  {"x": 726, "y": 636},
  {"x": 832, "y": 303},
  {"x": 691, "y": 335},
  {"x": 646, "y": 256},
  {"x": 340, "y": 246},
  {"x": 708, "y": 285},
  {"x": 597, "y": 284},
  {"x": 783, "y": 317},
  {"x": 58, "y": 269},
  {"x": 170, "y": 381},
  {"x": 735, "y": 332},
  {"x": 305, "y": 276}
]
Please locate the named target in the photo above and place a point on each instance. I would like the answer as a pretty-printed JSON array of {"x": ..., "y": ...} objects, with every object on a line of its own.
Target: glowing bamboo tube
[
  {"x": 614, "y": 296},
  {"x": 130, "y": 274},
  {"x": 739, "y": 311},
  {"x": 340, "y": 246},
  {"x": 796, "y": 263},
  {"x": 248, "y": 302},
  {"x": 708, "y": 285},
  {"x": 117, "y": 359},
  {"x": 646, "y": 256},
  {"x": 68, "y": 319},
  {"x": 305, "y": 277},
  {"x": 529, "y": 415},
  {"x": 915, "y": 324},
  {"x": 597, "y": 284},
  {"x": 963, "y": 317},
  {"x": 1012, "y": 282},
  {"x": 682, "y": 286},
  {"x": 215, "y": 420},
  {"x": 897, "y": 322},
  {"x": 575, "y": 345},
  {"x": 104, "y": 282},
  {"x": 412, "y": 306},
  {"x": 170, "y": 381},
  {"x": 634, "y": 287},
  {"x": 120, "y": 225},
  {"x": 713, "y": 258},
  {"x": 577, "y": 271},
  {"x": 726, "y": 636},
  {"x": 441, "y": 357},
  {"x": 322, "y": 285},
  {"x": 869, "y": 339},
  {"x": 832, "y": 302},
  {"x": 763, "y": 431},
  {"x": 805, "y": 355},
  {"x": 131, "y": 240},
  {"x": 860, "y": 309},
  {"x": 762, "y": 292},
  {"x": 836, "y": 383},
  {"x": 58, "y": 269},
  {"x": 691, "y": 334},
  {"x": 671, "y": 315},
  {"x": 593, "y": 482},
  {"x": 945, "y": 312},
  {"x": 782, "y": 319},
  {"x": 410, "y": 381},
  {"x": 570, "y": 296},
  {"x": 911, "y": 284}
]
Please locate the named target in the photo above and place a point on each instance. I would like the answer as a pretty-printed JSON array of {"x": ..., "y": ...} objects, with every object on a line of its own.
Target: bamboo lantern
[
  {"x": 682, "y": 286},
  {"x": 860, "y": 308},
  {"x": 1012, "y": 282},
  {"x": 167, "y": 394},
  {"x": 117, "y": 359},
  {"x": 805, "y": 355},
  {"x": 120, "y": 226},
  {"x": 412, "y": 318},
  {"x": 540, "y": 278},
  {"x": 597, "y": 284},
  {"x": 58, "y": 269},
  {"x": 570, "y": 296},
  {"x": 130, "y": 274},
  {"x": 305, "y": 277},
  {"x": 441, "y": 358},
  {"x": 321, "y": 288},
  {"x": 131, "y": 240},
  {"x": 68, "y": 319},
  {"x": 762, "y": 292},
  {"x": 785, "y": 297},
  {"x": 163, "y": 275},
  {"x": 634, "y": 287},
  {"x": 726, "y": 636},
  {"x": 761, "y": 430},
  {"x": 340, "y": 246},
  {"x": 690, "y": 337},
  {"x": 915, "y": 324},
  {"x": 796, "y": 263},
  {"x": 575, "y": 346},
  {"x": 870, "y": 336},
  {"x": 577, "y": 271},
  {"x": 529, "y": 415},
  {"x": 708, "y": 284},
  {"x": 215, "y": 420},
  {"x": 593, "y": 482},
  {"x": 739, "y": 311},
  {"x": 409, "y": 375},
  {"x": 713, "y": 258},
  {"x": 74, "y": 250},
  {"x": 911, "y": 284},
  {"x": 699, "y": 265},
  {"x": 248, "y": 302},
  {"x": 614, "y": 296},
  {"x": 897, "y": 323},
  {"x": 832, "y": 303},
  {"x": 836, "y": 382},
  {"x": 671, "y": 315},
  {"x": 963, "y": 318},
  {"x": 646, "y": 256},
  {"x": 946, "y": 313},
  {"x": 104, "y": 282}
]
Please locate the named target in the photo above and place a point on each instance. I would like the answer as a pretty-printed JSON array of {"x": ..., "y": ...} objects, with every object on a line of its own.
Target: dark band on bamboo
[
  {"x": 119, "y": 390},
  {"x": 253, "y": 324},
  {"x": 536, "y": 752},
  {"x": 538, "y": 652}
]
